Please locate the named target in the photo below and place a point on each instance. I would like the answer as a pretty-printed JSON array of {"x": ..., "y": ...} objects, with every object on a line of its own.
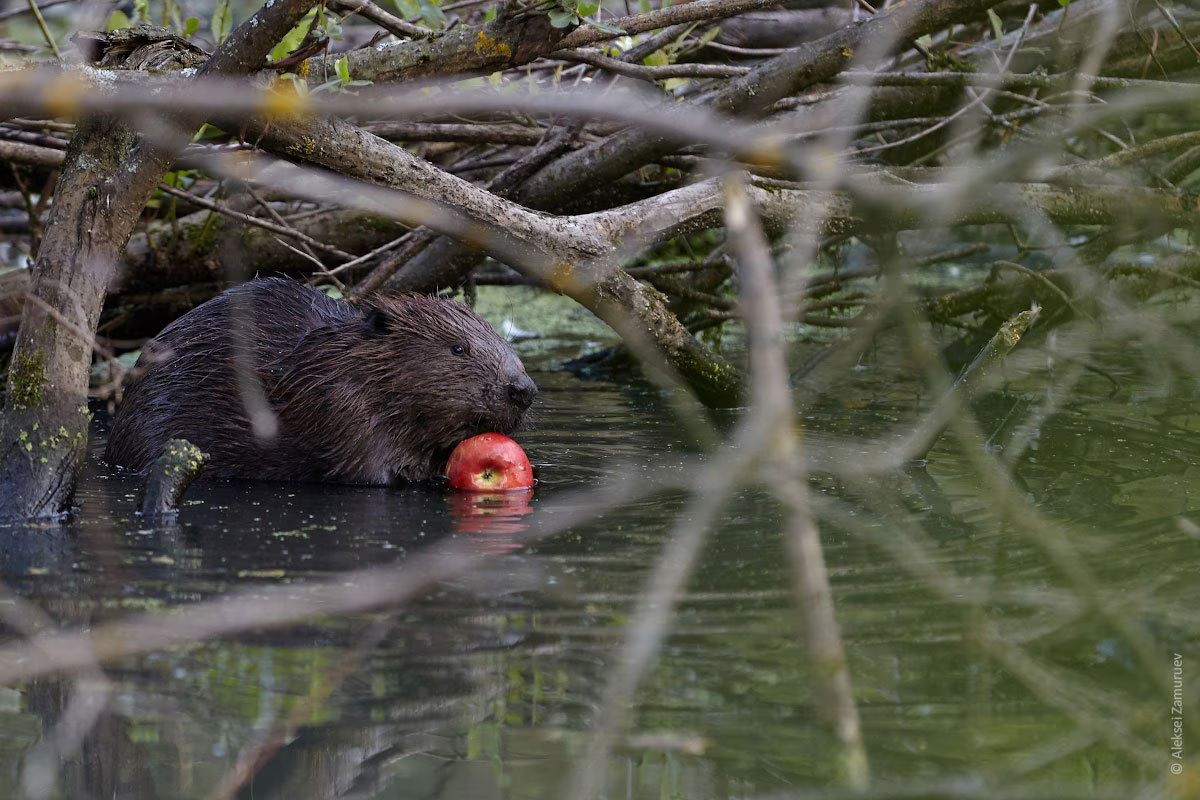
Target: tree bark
[
  {"x": 107, "y": 178},
  {"x": 569, "y": 242},
  {"x": 608, "y": 160},
  {"x": 45, "y": 417},
  {"x": 168, "y": 478}
]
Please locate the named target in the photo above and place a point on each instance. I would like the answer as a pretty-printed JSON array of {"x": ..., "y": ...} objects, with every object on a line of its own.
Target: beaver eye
[{"x": 458, "y": 350}]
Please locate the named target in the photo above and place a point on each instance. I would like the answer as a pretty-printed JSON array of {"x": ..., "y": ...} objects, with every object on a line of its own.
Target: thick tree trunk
[
  {"x": 107, "y": 178},
  {"x": 45, "y": 422}
]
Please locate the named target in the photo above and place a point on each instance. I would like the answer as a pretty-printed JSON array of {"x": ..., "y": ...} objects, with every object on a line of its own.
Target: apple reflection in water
[{"x": 494, "y": 520}]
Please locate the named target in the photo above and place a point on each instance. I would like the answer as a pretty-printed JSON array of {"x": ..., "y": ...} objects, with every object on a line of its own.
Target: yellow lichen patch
[
  {"x": 282, "y": 101},
  {"x": 487, "y": 46},
  {"x": 562, "y": 278},
  {"x": 764, "y": 153},
  {"x": 847, "y": 52},
  {"x": 27, "y": 381},
  {"x": 64, "y": 95}
]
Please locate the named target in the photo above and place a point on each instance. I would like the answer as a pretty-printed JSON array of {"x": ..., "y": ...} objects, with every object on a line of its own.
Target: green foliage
[
  {"x": 293, "y": 38},
  {"x": 428, "y": 11},
  {"x": 568, "y": 13},
  {"x": 669, "y": 53},
  {"x": 180, "y": 178},
  {"x": 208, "y": 131},
  {"x": 222, "y": 21},
  {"x": 190, "y": 26},
  {"x": 341, "y": 81},
  {"x": 997, "y": 25},
  {"x": 561, "y": 18},
  {"x": 117, "y": 20},
  {"x": 432, "y": 15}
]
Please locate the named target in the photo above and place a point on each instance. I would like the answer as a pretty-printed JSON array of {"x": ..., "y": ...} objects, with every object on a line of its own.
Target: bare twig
[
  {"x": 41, "y": 23},
  {"x": 282, "y": 230}
]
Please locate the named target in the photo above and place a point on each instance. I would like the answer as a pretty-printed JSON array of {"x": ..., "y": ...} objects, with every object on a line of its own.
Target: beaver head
[{"x": 438, "y": 365}]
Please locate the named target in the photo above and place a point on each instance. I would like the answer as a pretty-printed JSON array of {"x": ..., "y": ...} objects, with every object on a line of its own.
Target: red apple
[{"x": 489, "y": 462}]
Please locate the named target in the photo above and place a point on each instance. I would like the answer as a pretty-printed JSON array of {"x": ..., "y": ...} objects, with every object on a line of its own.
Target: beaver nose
[{"x": 522, "y": 391}]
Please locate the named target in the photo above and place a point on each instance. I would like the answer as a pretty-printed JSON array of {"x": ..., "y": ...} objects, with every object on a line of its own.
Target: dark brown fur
[{"x": 373, "y": 394}]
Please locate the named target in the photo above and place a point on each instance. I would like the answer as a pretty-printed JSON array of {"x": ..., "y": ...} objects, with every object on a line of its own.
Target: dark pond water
[{"x": 486, "y": 688}]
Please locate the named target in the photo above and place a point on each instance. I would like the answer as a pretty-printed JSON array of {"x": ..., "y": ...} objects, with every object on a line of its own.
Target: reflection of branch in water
[
  {"x": 258, "y": 752},
  {"x": 264, "y": 608},
  {"x": 764, "y": 439},
  {"x": 781, "y": 448},
  {"x": 1011, "y": 504},
  {"x": 88, "y": 701},
  {"x": 895, "y": 534}
]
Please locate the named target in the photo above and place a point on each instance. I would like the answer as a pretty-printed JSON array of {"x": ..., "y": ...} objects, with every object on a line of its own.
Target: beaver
[{"x": 373, "y": 393}]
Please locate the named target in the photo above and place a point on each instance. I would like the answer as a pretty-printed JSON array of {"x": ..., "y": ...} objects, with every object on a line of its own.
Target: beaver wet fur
[{"x": 370, "y": 394}]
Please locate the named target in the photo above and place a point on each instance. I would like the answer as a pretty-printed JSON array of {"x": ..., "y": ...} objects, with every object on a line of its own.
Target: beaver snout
[{"x": 522, "y": 391}]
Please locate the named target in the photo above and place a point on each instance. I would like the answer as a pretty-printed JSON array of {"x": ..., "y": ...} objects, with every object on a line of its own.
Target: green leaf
[
  {"x": 408, "y": 9},
  {"x": 118, "y": 20},
  {"x": 294, "y": 37},
  {"x": 585, "y": 8},
  {"x": 656, "y": 59},
  {"x": 560, "y": 18},
  {"x": 432, "y": 15},
  {"x": 331, "y": 26},
  {"x": 997, "y": 25},
  {"x": 925, "y": 41},
  {"x": 342, "y": 67},
  {"x": 490, "y": 14},
  {"x": 190, "y": 26},
  {"x": 141, "y": 10},
  {"x": 207, "y": 132},
  {"x": 222, "y": 21},
  {"x": 1064, "y": 3},
  {"x": 709, "y": 35}
]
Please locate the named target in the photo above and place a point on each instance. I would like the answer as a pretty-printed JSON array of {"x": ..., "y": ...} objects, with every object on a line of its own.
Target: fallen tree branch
[
  {"x": 389, "y": 22},
  {"x": 606, "y": 161},
  {"x": 967, "y": 387},
  {"x": 168, "y": 478}
]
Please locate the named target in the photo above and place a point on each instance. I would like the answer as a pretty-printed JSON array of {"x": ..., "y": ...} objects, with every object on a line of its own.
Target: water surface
[{"x": 486, "y": 688}]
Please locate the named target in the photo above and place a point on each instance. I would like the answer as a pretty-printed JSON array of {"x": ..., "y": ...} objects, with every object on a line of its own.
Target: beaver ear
[{"x": 376, "y": 323}]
